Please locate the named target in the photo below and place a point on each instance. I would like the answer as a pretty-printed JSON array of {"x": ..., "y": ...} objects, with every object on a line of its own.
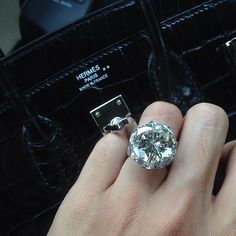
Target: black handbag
[{"x": 62, "y": 76}]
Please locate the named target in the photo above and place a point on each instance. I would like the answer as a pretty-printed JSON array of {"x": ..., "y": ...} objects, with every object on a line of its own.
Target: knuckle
[
  {"x": 101, "y": 153},
  {"x": 131, "y": 200},
  {"x": 202, "y": 162},
  {"x": 126, "y": 208},
  {"x": 107, "y": 147},
  {"x": 182, "y": 214},
  {"x": 163, "y": 108},
  {"x": 81, "y": 212},
  {"x": 128, "y": 213}
]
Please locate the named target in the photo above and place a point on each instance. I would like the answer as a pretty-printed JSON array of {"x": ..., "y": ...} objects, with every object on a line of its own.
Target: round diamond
[{"x": 152, "y": 145}]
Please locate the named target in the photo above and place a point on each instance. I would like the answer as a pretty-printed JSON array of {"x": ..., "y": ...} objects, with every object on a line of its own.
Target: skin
[{"x": 114, "y": 196}]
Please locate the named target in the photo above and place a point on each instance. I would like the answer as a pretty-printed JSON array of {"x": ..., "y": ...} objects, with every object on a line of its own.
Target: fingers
[
  {"x": 200, "y": 145},
  {"x": 110, "y": 153},
  {"x": 226, "y": 198},
  {"x": 105, "y": 161},
  {"x": 227, "y": 151},
  {"x": 131, "y": 172},
  {"x": 221, "y": 170},
  {"x": 198, "y": 152}
]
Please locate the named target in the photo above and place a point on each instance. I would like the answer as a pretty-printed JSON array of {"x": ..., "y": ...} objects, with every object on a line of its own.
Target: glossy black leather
[{"x": 45, "y": 71}]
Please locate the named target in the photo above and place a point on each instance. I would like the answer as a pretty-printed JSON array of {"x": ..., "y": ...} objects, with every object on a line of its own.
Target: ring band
[{"x": 152, "y": 145}]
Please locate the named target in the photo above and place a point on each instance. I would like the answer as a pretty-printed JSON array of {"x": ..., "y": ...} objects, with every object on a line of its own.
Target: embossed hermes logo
[
  {"x": 87, "y": 73},
  {"x": 92, "y": 76}
]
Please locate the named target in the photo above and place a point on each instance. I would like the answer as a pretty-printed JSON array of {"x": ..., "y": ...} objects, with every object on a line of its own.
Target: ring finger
[{"x": 163, "y": 113}]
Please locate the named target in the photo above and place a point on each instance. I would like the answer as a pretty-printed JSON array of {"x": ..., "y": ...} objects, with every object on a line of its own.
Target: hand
[{"x": 115, "y": 196}]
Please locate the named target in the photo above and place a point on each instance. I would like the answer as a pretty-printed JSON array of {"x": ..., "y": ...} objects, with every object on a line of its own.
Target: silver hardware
[
  {"x": 97, "y": 114},
  {"x": 118, "y": 102},
  {"x": 116, "y": 124},
  {"x": 229, "y": 49},
  {"x": 113, "y": 115}
]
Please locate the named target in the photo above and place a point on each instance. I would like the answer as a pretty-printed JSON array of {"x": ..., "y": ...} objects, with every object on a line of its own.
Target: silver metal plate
[{"x": 114, "y": 109}]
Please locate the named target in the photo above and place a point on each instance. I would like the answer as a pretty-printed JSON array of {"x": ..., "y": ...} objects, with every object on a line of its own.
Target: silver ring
[
  {"x": 152, "y": 145},
  {"x": 116, "y": 124}
]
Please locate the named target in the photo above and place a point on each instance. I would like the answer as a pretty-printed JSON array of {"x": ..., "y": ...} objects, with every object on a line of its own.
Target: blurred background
[{"x": 9, "y": 24}]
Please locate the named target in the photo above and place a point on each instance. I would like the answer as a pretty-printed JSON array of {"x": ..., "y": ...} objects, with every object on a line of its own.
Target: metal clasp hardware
[
  {"x": 112, "y": 115},
  {"x": 229, "y": 49}
]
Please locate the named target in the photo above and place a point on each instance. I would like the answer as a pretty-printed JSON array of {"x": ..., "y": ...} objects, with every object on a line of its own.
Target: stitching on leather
[
  {"x": 188, "y": 15},
  {"x": 81, "y": 65},
  {"x": 63, "y": 32},
  {"x": 221, "y": 36},
  {"x": 47, "y": 83},
  {"x": 164, "y": 24}
]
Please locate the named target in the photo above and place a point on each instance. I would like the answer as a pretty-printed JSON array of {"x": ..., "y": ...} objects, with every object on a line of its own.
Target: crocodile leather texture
[{"x": 115, "y": 41}]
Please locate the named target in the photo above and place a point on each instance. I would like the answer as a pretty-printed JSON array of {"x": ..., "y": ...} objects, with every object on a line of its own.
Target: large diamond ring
[{"x": 152, "y": 145}]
